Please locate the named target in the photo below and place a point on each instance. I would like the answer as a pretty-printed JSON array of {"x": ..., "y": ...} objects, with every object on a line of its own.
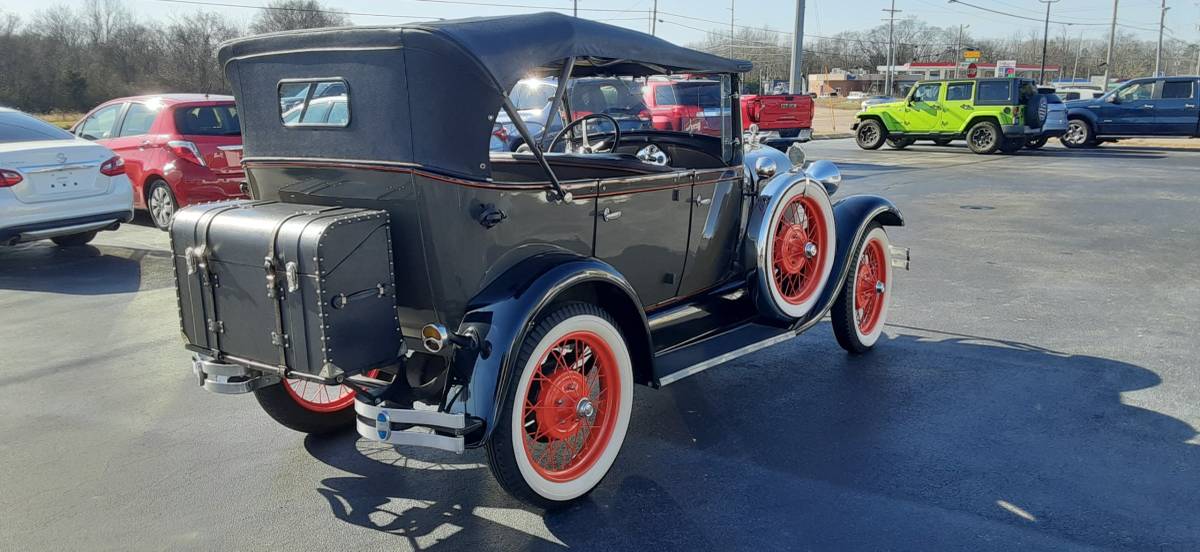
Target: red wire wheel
[
  {"x": 322, "y": 398},
  {"x": 571, "y": 408},
  {"x": 799, "y": 250},
  {"x": 870, "y": 283}
]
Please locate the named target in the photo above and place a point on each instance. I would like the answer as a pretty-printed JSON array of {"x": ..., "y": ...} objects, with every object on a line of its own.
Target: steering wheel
[{"x": 585, "y": 147}]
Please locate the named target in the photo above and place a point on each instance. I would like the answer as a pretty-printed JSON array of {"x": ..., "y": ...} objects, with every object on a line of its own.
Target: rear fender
[
  {"x": 852, "y": 217},
  {"x": 505, "y": 312}
]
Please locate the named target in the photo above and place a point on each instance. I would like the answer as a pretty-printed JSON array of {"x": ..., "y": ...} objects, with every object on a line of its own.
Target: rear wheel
[
  {"x": 870, "y": 134},
  {"x": 309, "y": 407},
  {"x": 984, "y": 137},
  {"x": 74, "y": 240},
  {"x": 160, "y": 201},
  {"x": 862, "y": 306},
  {"x": 567, "y": 408}
]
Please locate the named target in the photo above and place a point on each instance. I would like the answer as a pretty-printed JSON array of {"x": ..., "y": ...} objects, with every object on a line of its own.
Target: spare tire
[{"x": 1037, "y": 109}]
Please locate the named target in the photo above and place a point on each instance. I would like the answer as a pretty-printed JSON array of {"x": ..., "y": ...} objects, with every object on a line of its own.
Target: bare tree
[
  {"x": 286, "y": 15},
  {"x": 189, "y": 48}
]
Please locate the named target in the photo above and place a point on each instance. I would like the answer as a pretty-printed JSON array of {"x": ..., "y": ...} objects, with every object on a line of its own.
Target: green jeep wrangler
[{"x": 990, "y": 114}]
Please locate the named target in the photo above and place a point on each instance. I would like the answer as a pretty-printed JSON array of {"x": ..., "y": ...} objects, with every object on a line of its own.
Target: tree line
[{"x": 71, "y": 59}]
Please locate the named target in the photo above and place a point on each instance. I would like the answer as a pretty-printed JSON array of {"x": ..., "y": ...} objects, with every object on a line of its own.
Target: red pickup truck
[{"x": 682, "y": 104}]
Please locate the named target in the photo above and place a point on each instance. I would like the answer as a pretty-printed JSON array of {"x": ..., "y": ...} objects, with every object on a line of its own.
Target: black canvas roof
[{"x": 427, "y": 94}]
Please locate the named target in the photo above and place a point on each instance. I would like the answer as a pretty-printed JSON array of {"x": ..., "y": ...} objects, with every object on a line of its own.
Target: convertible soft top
[{"x": 427, "y": 93}]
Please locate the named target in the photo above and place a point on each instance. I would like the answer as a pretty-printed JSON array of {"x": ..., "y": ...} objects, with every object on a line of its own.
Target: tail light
[
  {"x": 501, "y": 133},
  {"x": 9, "y": 178},
  {"x": 755, "y": 111},
  {"x": 644, "y": 115},
  {"x": 113, "y": 167},
  {"x": 187, "y": 151}
]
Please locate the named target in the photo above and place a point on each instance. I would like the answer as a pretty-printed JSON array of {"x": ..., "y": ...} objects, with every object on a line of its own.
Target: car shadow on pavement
[
  {"x": 932, "y": 441},
  {"x": 85, "y": 270}
]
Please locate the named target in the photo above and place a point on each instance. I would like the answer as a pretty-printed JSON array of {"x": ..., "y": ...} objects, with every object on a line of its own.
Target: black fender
[
  {"x": 509, "y": 307},
  {"x": 852, "y": 216}
]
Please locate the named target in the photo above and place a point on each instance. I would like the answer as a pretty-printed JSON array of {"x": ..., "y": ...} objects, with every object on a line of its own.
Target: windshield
[
  {"x": 530, "y": 94},
  {"x": 19, "y": 127}
]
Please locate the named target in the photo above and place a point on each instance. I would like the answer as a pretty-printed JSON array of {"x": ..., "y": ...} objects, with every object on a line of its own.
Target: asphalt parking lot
[{"x": 1038, "y": 390}]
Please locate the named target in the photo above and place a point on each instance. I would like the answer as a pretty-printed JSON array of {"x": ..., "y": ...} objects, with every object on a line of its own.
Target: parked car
[
  {"x": 990, "y": 114},
  {"x": 876, "y": 100},
  {"x": 179, "y": 149},
  {"x": 531, "y": 97},
  {"x": 693, "y": 104},
  {"x": 1056, "y": 119},
  {"x": 1162, "y": 106},
  {"x": 56, "y": 186},
  {"x": 856, "y": 95},
  {"x": 1072, "y": 94},
  {"x": 435, "y": 294}
]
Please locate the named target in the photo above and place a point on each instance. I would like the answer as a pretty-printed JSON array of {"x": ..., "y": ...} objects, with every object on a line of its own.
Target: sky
[{"x": 683, "y": 21}]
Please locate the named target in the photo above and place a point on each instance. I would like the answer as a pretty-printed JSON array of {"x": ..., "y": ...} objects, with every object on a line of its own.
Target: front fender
[
  {"x": 852, "y": 216},
  {"x": 504, "y": 313},
  {"x": 1085, "y": 114}
]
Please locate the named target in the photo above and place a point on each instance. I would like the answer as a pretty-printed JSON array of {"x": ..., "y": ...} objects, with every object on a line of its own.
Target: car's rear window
[
  {"x": 703, "y": 94},
  {"x": 19, "y": 127},
  {"x": 208, "y": 120}
]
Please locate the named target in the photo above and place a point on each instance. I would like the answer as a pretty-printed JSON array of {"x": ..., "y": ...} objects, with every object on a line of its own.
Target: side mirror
[
  {"x": 827, "y": 173},
  {"x": 1112, "y": 99},
  {"x": 87, "y": 136}
]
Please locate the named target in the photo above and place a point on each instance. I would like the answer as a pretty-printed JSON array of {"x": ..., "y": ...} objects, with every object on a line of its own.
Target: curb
[{"x": 834, "y": 136}]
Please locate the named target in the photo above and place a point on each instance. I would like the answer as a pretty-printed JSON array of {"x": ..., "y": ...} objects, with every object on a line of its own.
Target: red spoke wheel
[
  {"x": 799, "y": 255},
  {"x": 861, "y": 308},
  {"x": 310, "y": 407},
  {"x": 567, "y": 409}
]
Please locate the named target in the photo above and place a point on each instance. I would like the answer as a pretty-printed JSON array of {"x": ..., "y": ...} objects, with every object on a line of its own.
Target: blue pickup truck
[{"x": 1155, "y": 106}]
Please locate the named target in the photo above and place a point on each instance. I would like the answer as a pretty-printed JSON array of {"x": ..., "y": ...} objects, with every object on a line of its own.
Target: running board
[{"x": 698, "y": 357}]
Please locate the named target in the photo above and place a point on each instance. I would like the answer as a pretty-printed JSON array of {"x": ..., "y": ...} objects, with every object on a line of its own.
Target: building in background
[{"x": 840, "y": 82}]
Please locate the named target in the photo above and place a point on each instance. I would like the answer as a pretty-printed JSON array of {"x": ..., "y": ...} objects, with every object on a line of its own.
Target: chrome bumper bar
[
  {"x": 403, "y": 426},
  {"x": 229, "y": 379},
  {"x": 900, "y": 258}
]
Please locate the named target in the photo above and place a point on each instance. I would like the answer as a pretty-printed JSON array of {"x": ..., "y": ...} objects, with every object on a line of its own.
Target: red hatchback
[{"x": 179, "y": 149}]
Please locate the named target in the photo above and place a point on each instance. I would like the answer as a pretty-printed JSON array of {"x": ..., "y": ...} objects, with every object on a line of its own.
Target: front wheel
[
  {"x": 1079, "y": 135},
  {"x": 984, "y": 137},
  {"x": 566, "y": 410},
  {"x": 862, "y": 306},
  {"x": 870, "y": 134}
]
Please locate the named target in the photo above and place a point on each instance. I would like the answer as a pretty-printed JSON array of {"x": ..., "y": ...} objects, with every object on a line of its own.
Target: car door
[
  {"x": 716, "y": 207},
  {"x": 642, "y": 230},
  {"x": 922, "y": 114},
  {"x": 1130, "y": 111},
  {"x": 1175, "y": 111},
  {"x": 134, "y": 144},
  {"x": 957, "y": 107}
]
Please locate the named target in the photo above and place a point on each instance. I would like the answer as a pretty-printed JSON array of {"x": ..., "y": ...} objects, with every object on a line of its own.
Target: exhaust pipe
[{"x": 435, "y": 338}]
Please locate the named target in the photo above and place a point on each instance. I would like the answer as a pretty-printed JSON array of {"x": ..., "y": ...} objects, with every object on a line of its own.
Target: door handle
[
  {"x": 608, "y": 214},
  {"x": 1148, "y": 106},
  {"x": 965, "y": 106},
  {"x": 144, "y": 144},
  {"x": 702, "y": 200},
  {"x": 1189, "y": 106}
]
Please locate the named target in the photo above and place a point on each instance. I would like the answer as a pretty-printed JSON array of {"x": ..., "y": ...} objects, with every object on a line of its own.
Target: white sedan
[{"x": 56, "y": 186}]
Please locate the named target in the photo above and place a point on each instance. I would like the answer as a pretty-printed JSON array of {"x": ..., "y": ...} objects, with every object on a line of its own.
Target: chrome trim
[
  {"x": 215, "y": 377},
  {"x": 765, "y": 167},
  {"x": 42, "y": 169},
  {"x": 900, "y": 257},
  {"x": 235, "y": 147},
  {"x": 720, "y": 359},
  {"x": 435, "y": 337}
]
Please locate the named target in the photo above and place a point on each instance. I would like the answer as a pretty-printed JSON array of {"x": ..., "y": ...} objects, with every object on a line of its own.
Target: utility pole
[
  {"x": 1046, "y": 39},
  {"x": 1078, "y": 55},
  {"x": 1162, "y": 22},
  {"x": 731, "y": 28},
  {"x": 796, "y": 84},
  {"x": 958, "y": 54},
  {"x": 575, "y": 12},
  {"x": 1112, "y": 41},
  {"x": 654, "y": 20},
  {"x": 891, "y": 57}
]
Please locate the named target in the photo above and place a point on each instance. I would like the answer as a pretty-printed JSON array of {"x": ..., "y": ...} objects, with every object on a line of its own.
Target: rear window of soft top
[{"x": 208, "y": 120}]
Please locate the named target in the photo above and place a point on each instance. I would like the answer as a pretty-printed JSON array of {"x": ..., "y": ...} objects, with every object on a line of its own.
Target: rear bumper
[
  {"x": 412, "y": 427},
  {"x": 64, "y": 227},
  {"x": 193, "y": 184}
]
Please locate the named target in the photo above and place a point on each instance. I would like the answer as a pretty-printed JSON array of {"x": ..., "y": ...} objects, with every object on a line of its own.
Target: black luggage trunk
[{"x": 301, "y": 287}]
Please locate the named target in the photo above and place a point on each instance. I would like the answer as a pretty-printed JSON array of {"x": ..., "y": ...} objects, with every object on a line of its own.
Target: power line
[
  {"x": 453, "y": 2},
  {"x": 1039, "y": 20}
]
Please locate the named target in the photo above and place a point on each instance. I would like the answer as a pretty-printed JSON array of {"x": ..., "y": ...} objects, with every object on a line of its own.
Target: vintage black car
[{"x": 393, "y": 273}]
